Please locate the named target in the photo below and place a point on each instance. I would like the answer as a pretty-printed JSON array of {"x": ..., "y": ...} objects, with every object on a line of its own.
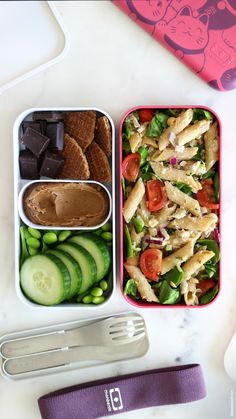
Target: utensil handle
[
  {"x": 58, "y": 358},
  {"x": 33, "y": 344}
]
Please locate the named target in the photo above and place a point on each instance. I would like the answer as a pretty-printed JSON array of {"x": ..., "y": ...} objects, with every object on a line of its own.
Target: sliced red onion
[
  {"x": 173, "y": 161},
  {"x": 164, "y": 233},
  {"x": 154, "y": 240},
  {"x": 216, "y": 234},
  {"x": 159, "y": 242},
  {"x": 172, "y": 138}
]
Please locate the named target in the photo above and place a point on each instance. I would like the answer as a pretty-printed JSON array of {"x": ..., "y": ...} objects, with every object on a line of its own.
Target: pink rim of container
[{"x": 145, "y": 304}]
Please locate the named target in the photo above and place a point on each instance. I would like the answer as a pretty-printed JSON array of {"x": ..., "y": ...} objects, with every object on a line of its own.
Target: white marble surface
[{"x": 114, "y": 65}]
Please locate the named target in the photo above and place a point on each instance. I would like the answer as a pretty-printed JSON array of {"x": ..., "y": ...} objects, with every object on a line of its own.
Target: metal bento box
[{"x": 64, "y": 206}]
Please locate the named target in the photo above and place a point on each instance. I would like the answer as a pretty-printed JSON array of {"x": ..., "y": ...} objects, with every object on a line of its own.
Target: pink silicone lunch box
[
  {"x": 143, "y": 304},
  {"x": 200, "y": 33}
]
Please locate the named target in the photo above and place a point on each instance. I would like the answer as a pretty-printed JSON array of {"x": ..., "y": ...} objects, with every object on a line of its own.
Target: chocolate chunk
[
  {"x": 55, "y": 131},
  {"x": 52, "y": 164},
  {"x": 35, "y": 141},
  {"x": 31, "y": 124},
  {"x": 28, "y": 165},
  {"x": 43, "y": 125},
  {"x": 49, "y": 116}
]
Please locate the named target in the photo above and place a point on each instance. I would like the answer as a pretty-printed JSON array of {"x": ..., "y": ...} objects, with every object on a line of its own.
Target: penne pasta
[
  {"x": 201, "y": 224},
  {"x": 196, "y": 262},
  {"x": 178, "y": 257},
  {"x": 133, "y": 200},
  {"x": 190, "y": 295},
  {"x": 182, "y": 199},
  {"x": 144, "y": 288},
  {"x": 163, "y": 216},
  {"x": 193, "y": 131},
  {"x": 211, "y": 146},
  {"x": 150, "y": 141},
  {"x": 187, "y": 154},
  {"x": 135, "y": 141},
  {"x": 180, "y": 237},
  {"x": 174, "y": 175},
  {"x": 182, "y": 121}
]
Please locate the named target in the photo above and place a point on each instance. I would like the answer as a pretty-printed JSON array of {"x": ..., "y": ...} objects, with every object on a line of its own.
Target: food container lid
[{"x": 25, "y": 27}]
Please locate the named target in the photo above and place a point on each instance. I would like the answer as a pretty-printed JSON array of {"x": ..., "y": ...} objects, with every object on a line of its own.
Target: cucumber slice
[
  {"x": 45, "y": 279},
  {"x": 85, "y": 261},
  {"x": 98, "y": 248},
  {"x": 73, "y": 268}
]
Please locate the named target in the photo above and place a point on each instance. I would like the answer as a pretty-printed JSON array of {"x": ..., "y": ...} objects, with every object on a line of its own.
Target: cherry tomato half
[
  {"x": 150, "y": 263},
  {"x": 205, "y": 285},
  {"x": 156, "y": 195},
  {"x": 145, "y": 115},
  {"x": 206, "y": 195},
  {"x": 130, "y": 166}
]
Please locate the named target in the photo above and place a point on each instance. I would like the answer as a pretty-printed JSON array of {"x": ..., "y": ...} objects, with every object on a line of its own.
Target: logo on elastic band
[{"x": 113, "y": 399}]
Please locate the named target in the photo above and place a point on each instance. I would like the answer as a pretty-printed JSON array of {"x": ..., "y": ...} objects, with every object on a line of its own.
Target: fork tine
[
  {"x": 117, "y": 334},
  {"x": 121, "y": 320},
  {"x": 126, "y": 328},
  {"x": 123, "y": 325},
  {"x": 126, "y": 339}
]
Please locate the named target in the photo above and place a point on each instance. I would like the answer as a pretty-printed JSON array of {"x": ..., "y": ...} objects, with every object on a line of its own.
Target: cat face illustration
[
  {"x": 149, "y": 11},
  {"x": 186, "y": 32}
]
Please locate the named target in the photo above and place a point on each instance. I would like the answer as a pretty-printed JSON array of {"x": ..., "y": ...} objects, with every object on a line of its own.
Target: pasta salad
[{"x": 170, "y": 182}]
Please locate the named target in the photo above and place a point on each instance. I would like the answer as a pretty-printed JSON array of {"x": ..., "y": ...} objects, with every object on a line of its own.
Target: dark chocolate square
[
  {"x": 35, "y": 141},
  {"x": 51, "y": 165},
  {"x": 28, "y": 165},
  {"x": 55, "y": 131},
  {"x": 31, "y": 124},
  {"x": 49, "y": 116}
]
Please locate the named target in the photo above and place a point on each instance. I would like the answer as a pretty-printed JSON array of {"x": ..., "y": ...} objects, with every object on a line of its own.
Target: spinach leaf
[
  {"x": 146, "y": 172},
  {"x": 168, "y": 295},
  {"x": 184, "y": 188},
  {"x": 126, "y": 131},
  {"x": 211, "y": 269},
  {"x": 209, "y": 296},
  {"x": 143, "y": 151},
  {"x": 128, "y": 242},
  {"x": 202, "y": 114},
  {"x": 172, "y": 112},
  {"x": 123, "y": 184},
  {"x": 126, "y": 147},
  {"x": 200, "y": 153},
  {"x": 175, "y": 275},
  {"x": 131, "y": 289},
  {"x": 157, "y": 125},
  {"x": 209, "y": 174},
  {"x": 217, "y": 186}
]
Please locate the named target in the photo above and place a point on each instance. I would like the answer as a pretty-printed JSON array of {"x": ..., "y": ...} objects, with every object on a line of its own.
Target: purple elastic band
[{"x": 128, "y": 392}]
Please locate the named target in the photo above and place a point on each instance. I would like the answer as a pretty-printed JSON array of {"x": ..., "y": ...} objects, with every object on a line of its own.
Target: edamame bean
[
  {"x": 34, "y": 233},
  {"x": 32, "y": 242},
  {"x": 27, "y": 235},
  {"x": 32, "y": 251},
  {"x": 98, "y": 300},
  {"x": 107, "y": 236},
  {"x": 106, "y": 227},
  {"x": 64, "y": 235},
  {"x": 103, "y": 284},
  {"x": 87, "y": 299},
  {"x": 98, "y": 232},
  {"x": 50, "y": 238},
  {"x": 97, "y": 292}
]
